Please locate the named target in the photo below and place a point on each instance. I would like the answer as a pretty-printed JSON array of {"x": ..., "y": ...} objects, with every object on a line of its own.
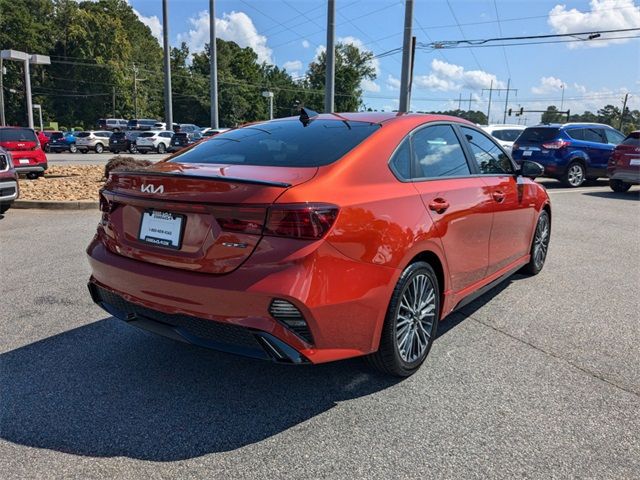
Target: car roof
[
  {"x": 571, "y": 124},
  {"x": 504, "y": 126},
  {"x": 387, "y": 117}
]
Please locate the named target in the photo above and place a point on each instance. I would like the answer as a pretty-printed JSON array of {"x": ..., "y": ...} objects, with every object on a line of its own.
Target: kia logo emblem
[{"x": 150, "y": 188}]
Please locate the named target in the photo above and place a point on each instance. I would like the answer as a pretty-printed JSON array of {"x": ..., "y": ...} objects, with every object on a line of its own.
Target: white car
[
  {"x": 210, "y": 132},
  {"x": 154, "y": 141},
  {"x": 505, "y": 134}
]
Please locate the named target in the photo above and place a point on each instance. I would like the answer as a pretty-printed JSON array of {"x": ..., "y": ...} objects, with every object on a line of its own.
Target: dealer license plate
[{"x": 163, "y": 229}]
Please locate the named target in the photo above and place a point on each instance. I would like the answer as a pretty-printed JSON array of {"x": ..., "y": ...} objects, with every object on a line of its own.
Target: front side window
[
  {"x": 490, "y": 158},
  {"x": 438, "y": 153}
]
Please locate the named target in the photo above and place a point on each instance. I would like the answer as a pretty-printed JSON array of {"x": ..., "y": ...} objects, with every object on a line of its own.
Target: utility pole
[
  {"x": 562, "y": 98},
  {"x": 506, "y": 101},
  {"x": 469, "y": 101},
  {"x": 113, "y": 100},
  {"x": 460, "y": 101},
  {"x": 405, "y": 81},
  {"x": 213, "y": 65},
  {"x": 135, "y": 90},
  {"x": 329, "y": 83},
  {"x": 2, "y": 120},
  {"x": 489, "y": 107},
  {"x": 413, "y": 58},
  {"x": 168, "y": 108},
  {"x": 624, "y": 108}
]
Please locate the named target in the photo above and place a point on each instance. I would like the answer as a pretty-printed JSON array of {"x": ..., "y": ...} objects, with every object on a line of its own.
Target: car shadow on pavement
[
  {"x": 629, "y": 195},
  {"x": 107, "y": 389}
]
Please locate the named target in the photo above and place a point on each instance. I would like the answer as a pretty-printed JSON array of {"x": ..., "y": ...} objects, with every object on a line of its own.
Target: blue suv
[{"x": 570, "y": 152}]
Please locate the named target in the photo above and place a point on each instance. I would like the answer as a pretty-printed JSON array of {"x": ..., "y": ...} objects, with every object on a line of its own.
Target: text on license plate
[
  {"x": 634, "y": 161},
  {"x": 161, "y": 228},
  {"x": 527, "y": 153}
]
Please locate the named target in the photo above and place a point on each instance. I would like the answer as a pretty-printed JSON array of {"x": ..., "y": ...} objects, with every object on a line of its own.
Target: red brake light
[
  {"x": 248, "y": 220},
  {"x": 556, "y": 145},
  {"x": 304, "y": 221}
]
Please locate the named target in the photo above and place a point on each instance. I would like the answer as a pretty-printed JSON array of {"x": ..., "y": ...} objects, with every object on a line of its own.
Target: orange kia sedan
[{"x": 318, "y": 238}]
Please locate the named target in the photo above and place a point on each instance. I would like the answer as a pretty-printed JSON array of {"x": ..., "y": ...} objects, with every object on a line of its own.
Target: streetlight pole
[
  {"x": 168, "y": 108},
  {"x": 330, "y": 67},
  {"x": 269, "y": 95},
  {"x": 405, "y": 80},
  {"x": 213, "y": 61}
]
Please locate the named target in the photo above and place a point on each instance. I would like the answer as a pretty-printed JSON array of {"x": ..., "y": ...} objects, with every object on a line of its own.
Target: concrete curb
[{"x": 53, "y": 205}]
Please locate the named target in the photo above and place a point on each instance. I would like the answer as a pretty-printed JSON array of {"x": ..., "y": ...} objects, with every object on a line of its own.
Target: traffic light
[
  {"x": 510, "y": 112},
  {"x": 521, "y": 111}
]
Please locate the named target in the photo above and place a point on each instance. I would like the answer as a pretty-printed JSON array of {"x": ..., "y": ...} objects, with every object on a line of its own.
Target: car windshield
[
  {"x": 286, "y": 143},
  {"x": 506, "y": 135},
  {"x": 17, "y": 135},
  {"x": 538, "y": 134}
]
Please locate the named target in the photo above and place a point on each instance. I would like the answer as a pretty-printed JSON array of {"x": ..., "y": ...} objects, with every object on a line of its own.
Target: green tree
[{"x": 352, "y": 67}]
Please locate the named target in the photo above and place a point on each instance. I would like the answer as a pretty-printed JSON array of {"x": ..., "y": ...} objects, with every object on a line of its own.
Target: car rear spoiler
[{"x": 218, "y": 178}]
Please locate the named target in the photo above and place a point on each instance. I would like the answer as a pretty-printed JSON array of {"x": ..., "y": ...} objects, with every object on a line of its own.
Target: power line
[
  {"x": 504, "y": 50},
  {"x": 462, "y": 32}
]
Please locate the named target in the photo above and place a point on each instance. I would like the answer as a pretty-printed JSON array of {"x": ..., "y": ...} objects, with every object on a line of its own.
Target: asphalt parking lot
[
  {"x": 539, "y": 378},
  {"x": 91, "y": 158}
]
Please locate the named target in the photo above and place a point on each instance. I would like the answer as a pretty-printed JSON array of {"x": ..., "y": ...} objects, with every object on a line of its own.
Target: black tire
[
  {"x": 99, "y": 148},
  {"x": 47, "y": 148},
  {"x": 144, "y": 152},
  {"x": 114, "y": 151},
  {"x": 4, "y": 207},
  {"x": 539, "y": 245},
  {"x": 83, "y": 150},
  {"x": 162, "y": 148},
  {"x": 571, "y": 178},
  {"x": 73, "y": 148},
  {"x": 133, "y": 149},
  {"x": 389, "y": 359},
  {"x": 619, "y": 186},
  {"x": 32, "y": 175}
]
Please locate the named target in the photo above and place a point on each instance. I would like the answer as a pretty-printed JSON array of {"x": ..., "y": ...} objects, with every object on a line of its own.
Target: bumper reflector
[{"x": 288, "y": 313}]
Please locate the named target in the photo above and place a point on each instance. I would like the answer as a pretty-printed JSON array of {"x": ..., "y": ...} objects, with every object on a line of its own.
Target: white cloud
[
  {"x": 235, "y": 27},
  {"x": 292, "y": 65},
  {"x": 305, "y": 44},
  {"x": 153, "y": 22},
  {"x": 356, "y": 42},
  {"x": 393, "y": 83},
  {"x": 369, "y": 86},
  {"x": 604, "y": 15},
  {"x": 320, "y": 49},
  {"x": 446, "y": 76},
  {"x": 548, "y": 85}
]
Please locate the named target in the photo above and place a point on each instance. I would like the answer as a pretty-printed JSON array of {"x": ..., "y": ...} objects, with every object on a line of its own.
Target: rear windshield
[
  {"x": 133, "y": 134},
  {"x": 56, "y": 135},
  {"x": 83, "y": 134},
  {"x": 118, "y": 135},
  {"x": 286, "y": 143},
  {"x": 147, "y": 134},
  {"x": 538, "y": 134},
  {"x": 632, "y": 139},
  {"x": 506, "y": 135},
  {"x": 17, "y": 135}
]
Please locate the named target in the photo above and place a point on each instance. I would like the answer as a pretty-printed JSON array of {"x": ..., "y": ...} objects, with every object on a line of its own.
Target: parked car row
[
  {"x": 575, "y": 153},
  {"x": 9, "y": 189}
]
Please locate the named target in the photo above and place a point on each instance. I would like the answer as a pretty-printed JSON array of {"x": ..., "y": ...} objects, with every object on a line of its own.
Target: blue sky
[{"x": 289, "y": 33}]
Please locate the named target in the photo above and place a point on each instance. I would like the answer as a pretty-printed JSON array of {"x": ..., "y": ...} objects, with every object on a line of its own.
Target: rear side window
[
  {"x": 17, "y": 135},
  {"x": 594, "y": 135},
  {"x": 490, "y": 158},
  {"x": 438, "y": 153},
  {"x": 83, "y": 134},
  {"x": 506, "y": 135},
  {"x": 576, "y": 133},
  {"x": 401, "y": 161},
  {"x": 538, "y": 134},
  {"x": 632, "y": 139},
  {"x": 613, "y": 137},
  {"x": 286, "y": 143}
]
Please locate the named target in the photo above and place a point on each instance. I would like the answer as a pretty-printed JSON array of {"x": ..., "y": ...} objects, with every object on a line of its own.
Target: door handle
[
  {"x": 498, "y": 196},
  {"x": 439, "y": 205}
]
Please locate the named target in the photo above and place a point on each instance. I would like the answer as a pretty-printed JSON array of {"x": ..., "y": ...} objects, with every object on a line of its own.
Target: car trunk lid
[{"x": 205, "y": 218}]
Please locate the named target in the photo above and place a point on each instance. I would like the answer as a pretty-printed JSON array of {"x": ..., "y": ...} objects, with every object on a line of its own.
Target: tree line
[
  {"x": 106, "y": 63},
  {"x": 609, "y": 114}
]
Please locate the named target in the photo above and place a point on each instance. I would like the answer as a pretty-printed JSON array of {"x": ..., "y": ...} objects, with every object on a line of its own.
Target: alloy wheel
[
  {"x": 575, "y": 176},
  {"x": 541, "y": 241},
  {"x": 415, "y": 318}
]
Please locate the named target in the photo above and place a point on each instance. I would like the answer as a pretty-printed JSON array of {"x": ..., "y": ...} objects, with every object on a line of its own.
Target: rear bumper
[
  {"x": 626, "y": 176},
  {"x": 145, "y": 148},
  {"x": 197, "y": 331},
  {"x": 8, "y": 191},
  {"x": 343, "y": 301},
  {"x": 39, "y": 168}
]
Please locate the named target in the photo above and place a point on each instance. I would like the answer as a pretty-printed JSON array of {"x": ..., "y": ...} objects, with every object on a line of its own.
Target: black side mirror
[{"x": 531, "y": 169}]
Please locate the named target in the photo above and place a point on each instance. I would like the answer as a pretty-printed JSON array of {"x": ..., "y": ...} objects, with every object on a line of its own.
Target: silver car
[{"x": 95, "y": 140}]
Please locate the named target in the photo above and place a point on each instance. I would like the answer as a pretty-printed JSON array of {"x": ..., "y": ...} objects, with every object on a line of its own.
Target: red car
[
  {"x": 623, "y": 169},
  {"x": 8, "y": 181},
  {"x": 318, "y": 238},
  {"x": 24, "y": 146}
]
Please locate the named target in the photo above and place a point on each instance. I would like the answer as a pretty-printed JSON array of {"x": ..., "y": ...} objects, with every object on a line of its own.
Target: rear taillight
[
  {"x": 556, "y": 145},
  {"x": 304, "y": 221},
  {"x": 248, "y": 220}
]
